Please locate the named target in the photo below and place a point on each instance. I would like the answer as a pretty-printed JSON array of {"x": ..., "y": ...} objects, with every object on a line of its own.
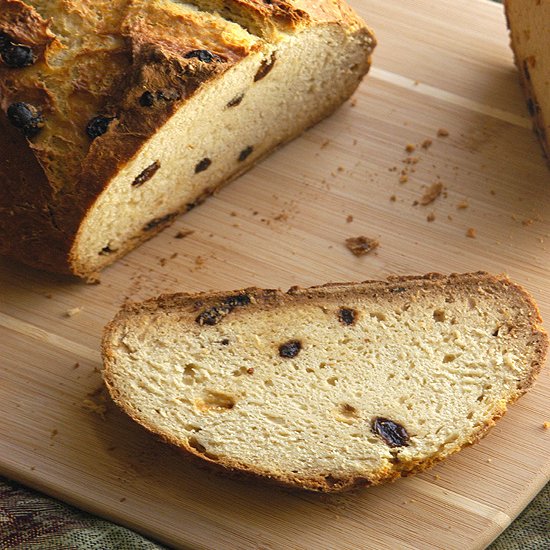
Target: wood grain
[{"x": 440, "y": 64}]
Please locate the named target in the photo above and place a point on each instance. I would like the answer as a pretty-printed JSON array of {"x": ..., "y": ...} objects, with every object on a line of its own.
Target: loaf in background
[
  {"x": 529, "y": 24},
  {"x": 117, "y": 116}
]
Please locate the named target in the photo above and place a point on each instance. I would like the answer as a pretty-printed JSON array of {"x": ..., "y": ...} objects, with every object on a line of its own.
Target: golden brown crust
[
  {"x": 25, "y": 25},
  {"x": 269, "y": 17},
  {"x": 125, "y": 48},
  {"x": 395, "y": 287}
]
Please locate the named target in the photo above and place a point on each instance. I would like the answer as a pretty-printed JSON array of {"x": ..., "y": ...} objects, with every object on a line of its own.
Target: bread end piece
[{"x": 528, "y": 22}]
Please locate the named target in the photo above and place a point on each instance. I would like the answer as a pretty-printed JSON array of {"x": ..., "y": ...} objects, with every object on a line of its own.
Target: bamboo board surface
[{"x": 439, "y": 64}]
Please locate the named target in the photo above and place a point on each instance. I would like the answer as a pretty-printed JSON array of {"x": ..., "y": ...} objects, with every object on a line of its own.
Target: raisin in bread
[
  {"x": 330, "y": 387},
  {"x": 529, "y": 24},
  {"x": 117, "y": 116}
]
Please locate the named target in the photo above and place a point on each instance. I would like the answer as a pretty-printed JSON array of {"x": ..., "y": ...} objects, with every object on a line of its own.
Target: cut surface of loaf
[
  {"x": 117, "y": 116},
  {"x": 529, "y": 24},
  {"x": 331, "y": 387}
]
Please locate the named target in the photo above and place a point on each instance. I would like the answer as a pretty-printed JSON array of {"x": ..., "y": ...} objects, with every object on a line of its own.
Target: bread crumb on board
[
  {"x": 430, "y": 217},
  {"x": 546, "y": 425},
  {"x": 183, "y": 234},
  {"x": 349, "y": 219},
  {"x": 471, "y": 233},
  {"x": 359, "y": 246},
  {"x": 92, "y": 406},
  {"x": 431, "y": 194},
  {"x": 462, "y": 205},
  {"x": 443, "y": 132},
  {"x": 73, "y": 311},
  {"x": 96, "y": 402},
  {"x": 426, "y": 144}
]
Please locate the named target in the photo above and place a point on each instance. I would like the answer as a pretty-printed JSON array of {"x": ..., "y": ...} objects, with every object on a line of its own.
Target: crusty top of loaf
[
  {"x": 98, "y": 58},
  {"x": 93, "y": 58}
]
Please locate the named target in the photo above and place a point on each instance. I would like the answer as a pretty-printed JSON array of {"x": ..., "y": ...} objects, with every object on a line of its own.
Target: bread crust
[
  {"x": 524, "y": 65},
  {"x": 271, "y": 298},
  {"x": 61, "y": 170}
]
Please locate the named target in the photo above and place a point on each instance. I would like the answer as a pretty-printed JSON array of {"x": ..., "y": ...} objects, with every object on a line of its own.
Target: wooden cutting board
[{"x": 440, "y": 64}]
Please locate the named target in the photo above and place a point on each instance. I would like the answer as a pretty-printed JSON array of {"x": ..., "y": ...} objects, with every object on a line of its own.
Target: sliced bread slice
[{"x": 330, "y": 387}]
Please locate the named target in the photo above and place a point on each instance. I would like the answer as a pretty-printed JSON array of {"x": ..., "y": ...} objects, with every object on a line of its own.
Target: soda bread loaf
[
  {"x": 331, "y": 387},
  {"x": 529, "y": 24},
  {"x": 116, "y": 116}
]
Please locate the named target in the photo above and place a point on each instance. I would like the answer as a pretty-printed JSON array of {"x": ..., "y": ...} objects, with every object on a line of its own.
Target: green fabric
[
  {"x": 31, "y": 521},
  {"x": 531, "y": 529}
]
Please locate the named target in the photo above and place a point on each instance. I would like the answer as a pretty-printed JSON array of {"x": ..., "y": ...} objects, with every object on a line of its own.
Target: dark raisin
[
  {"x": 202, "y": 165},
  {"x": 26, "y": 117},
  {"x": 212, "y": 316},
  {"x": 391, "y": 432},
  {"x": 202, "y": 55},
  {"x": 17, "y": 56},
  {"x": 147, "y": 99},
  {"x": 215, "y": 314},
  {"x": 347, "y": 316},
  {"x": 245, "y": 153},
  {"x": 98, "y": 126},
  {"x": 105, "y": 251},
  {"x": 158, "y": 221},
  {"x": 265, "y": 67},
  {"x": 237, "y": 300},
  {"x": 236, "y": 101},
  {"x": 290, "y": 349},
  {"x": 147, "y": 174},
  {"x": 225, "y": 342}
]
